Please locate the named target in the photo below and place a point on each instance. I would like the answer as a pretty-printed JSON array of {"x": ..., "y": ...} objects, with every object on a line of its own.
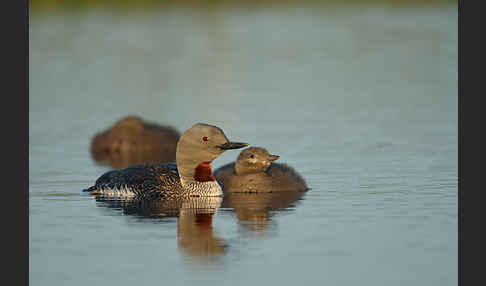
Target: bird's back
[
  {"x": 278, "y": 177},
  {"x": 285, "y": 177},
  {"x": 225, "y": 174},
  {"x": 143, "y": 181}
]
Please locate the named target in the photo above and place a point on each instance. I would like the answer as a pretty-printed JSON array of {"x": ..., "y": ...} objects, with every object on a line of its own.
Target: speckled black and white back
[{"x": 142, "y": 181}]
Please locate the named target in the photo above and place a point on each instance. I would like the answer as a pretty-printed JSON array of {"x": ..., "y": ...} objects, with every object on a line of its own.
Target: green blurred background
[{"x": 76, "y": 4}]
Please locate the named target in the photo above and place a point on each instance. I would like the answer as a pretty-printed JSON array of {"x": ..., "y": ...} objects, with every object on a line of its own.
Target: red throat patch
[{"x": 203, "y": 173}]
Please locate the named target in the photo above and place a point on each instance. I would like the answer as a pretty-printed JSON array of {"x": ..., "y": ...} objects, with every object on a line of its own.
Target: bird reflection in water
[
  {"x": 195, "y": 233},
  {"x": 255, "y": 210}
]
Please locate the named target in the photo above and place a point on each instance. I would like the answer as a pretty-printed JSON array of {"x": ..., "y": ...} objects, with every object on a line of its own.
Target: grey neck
[{"x": 189, "y": 156}]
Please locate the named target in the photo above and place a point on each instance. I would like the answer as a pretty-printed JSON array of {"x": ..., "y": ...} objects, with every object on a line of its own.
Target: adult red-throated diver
[{"x": 191, "y": 176}]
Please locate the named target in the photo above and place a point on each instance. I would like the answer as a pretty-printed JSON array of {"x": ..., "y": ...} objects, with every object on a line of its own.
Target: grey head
[
  {"x": 254, "y": 160},
  {"x": 197, "y": 148}
]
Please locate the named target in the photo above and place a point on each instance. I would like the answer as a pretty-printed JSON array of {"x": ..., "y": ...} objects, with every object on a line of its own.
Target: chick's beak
[{"x": 272, "y": 158}]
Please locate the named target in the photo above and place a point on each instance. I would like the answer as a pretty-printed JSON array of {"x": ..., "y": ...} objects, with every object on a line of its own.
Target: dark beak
[
  {"x": 273, "y": 158},
  {"x": 232, "y": 145}
]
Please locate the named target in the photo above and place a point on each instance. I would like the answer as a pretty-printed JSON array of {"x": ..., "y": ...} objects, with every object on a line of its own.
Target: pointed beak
[
  {"x": 232, "y": 145},
  {"x": 273, "y": 158}
]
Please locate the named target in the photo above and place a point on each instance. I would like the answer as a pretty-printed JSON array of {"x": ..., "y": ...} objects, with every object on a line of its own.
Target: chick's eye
[
  {"x": 205, "y": 138},
  {"x": 252, "y": 156}
]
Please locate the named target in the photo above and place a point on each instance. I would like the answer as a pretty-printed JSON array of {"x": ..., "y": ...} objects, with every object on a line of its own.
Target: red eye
[{"x": 205, "y": 138}]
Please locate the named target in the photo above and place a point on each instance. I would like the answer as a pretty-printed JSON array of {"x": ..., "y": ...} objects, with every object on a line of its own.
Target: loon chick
[
  {"x": 132, "y": 141},
  {"x": 191, "y": 176},
  {"x": 254, "y": 172}
]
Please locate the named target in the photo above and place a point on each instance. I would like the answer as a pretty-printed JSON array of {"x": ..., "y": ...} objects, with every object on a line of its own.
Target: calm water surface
[{"x": 362, "y": 101}]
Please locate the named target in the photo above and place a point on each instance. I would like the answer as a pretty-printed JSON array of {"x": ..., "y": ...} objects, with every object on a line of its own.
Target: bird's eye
[
  {"x": 252, "y": 156},
  {"x": 205, "y": 138}
]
